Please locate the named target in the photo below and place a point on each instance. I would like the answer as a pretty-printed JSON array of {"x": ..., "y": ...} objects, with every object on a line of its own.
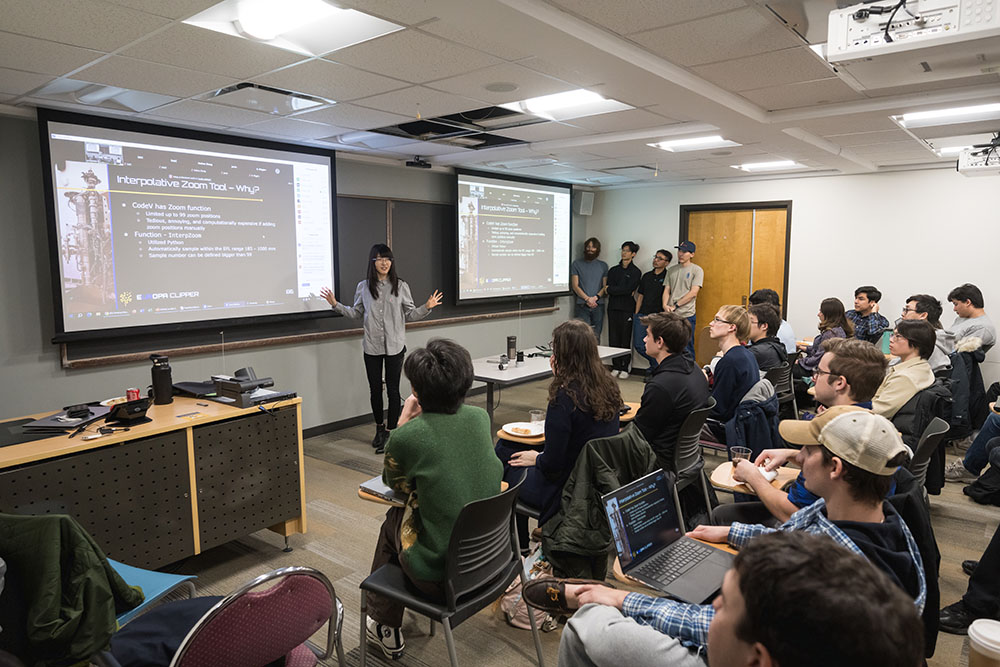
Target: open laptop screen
[{"x": 643, "y": 518}]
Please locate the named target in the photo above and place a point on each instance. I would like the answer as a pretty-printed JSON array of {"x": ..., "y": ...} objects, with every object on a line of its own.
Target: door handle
[{"x": 743, "y": 300}]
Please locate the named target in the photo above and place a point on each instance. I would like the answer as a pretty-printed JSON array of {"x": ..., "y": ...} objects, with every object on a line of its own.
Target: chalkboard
[{"x": 422, "y": 238}]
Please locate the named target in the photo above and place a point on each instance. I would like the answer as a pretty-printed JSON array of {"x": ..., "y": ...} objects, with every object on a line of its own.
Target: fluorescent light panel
[
  {"x": 777, "y": 165},
  {"x": 695, "y": 144},
  {"x": 970, "y": 114},
  {"x": 567, "y": 105}
]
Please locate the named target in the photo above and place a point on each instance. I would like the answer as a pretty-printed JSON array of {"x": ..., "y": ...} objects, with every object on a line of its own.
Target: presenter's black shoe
[
  {"x": 956, "y": 618},
  {"x": 381, "y": 437},
  {"x": 969, "y": 566}
]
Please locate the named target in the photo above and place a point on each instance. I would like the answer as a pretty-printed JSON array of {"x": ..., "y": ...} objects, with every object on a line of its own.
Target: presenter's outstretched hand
[
  {"x": 434, "y": 300},
  {"x": 328, "y": 295}
]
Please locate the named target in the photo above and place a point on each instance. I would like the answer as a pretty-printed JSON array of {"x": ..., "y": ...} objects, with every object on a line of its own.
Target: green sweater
[{"x": 444, "y": 462}]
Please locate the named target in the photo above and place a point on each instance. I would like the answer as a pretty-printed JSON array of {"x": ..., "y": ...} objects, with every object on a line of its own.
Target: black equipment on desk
[
  {"x": 163, "y": 384},
  {"x": 245, "y": 390},
  {"x": 129, "y": 413}
]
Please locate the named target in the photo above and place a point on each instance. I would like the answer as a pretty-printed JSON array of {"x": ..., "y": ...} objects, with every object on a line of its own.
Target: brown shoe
[{"x": 549, "y": 593}]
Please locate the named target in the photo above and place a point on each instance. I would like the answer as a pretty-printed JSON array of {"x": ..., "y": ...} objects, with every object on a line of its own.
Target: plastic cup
[
  {"x": 537, "y": 416},
  {"x": 984, "y": 643},
  {"x": 738, "y": 453}
]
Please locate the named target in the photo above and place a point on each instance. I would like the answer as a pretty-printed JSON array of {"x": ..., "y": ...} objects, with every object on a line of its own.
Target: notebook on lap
[{"x": 653, "y": 549}]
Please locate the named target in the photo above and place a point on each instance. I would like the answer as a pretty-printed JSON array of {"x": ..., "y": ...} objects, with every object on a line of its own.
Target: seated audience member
[
  {"x": 850, "y": 466},
  {"x": 972, "y": 320},
  {"x": 868, "y": 323},
  {"x": 967, "y": 469},
  {"x": 583, "y": 405},
  {"x": 926, "y": 307},
  {"x": 764, "y": 345},
  {"x": 442, "y": 456},
  {"x": 982, "y": 597},
  {"x": 737, "y": 371},
  {"x": 913, "y": 343},
  {"x": 833, "y": 323},
  {"x": 785, "y": 333},
  {"x": 849, "y": 373},
  {"x": 676, "y": 387}
]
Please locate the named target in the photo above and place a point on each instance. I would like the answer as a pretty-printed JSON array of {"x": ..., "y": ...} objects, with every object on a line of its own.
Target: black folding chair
[{"x": 689, "y": 464}]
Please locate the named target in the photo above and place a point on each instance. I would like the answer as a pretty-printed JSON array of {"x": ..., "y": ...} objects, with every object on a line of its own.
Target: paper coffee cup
[{"x": 984, "y": 643}]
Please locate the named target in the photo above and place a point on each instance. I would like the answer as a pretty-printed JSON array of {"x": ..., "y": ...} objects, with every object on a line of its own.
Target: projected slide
[
  {"x": 162, "y": 230},
  {"x": 513, "y": 238}
]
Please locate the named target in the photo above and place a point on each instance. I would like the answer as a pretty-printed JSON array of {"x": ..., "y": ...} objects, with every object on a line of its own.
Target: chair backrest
[
  {"x": 483, "y": 544},
  {"x": 687, "y": 451},
  {"x": 929, "y": 441},
  {"x": 250, "y": 627},
  {"x": 780, "y": 378}
]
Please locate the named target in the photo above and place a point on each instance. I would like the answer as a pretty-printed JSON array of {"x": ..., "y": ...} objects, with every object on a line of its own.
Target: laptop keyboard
[{"x": 671, "y": 563}]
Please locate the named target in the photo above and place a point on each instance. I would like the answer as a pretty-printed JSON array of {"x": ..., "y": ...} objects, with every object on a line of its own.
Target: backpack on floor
[{"x": 512, "y": 603}]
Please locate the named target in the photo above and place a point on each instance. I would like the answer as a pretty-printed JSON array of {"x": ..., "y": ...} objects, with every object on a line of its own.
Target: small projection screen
[
  {"x": 513, "y": 237},
  {"x": 157, "y": 229}
]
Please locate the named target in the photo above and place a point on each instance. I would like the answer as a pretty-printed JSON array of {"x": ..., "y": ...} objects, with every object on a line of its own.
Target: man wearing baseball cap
[
  {"x": 848, "y": 457},
  {"x": 681, "y": 286}
]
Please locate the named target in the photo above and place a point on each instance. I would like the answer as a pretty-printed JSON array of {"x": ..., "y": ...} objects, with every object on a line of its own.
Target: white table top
[{"x": 486, "y": 368}]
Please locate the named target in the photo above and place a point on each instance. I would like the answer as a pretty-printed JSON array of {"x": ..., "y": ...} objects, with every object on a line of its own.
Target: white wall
[
  {"x": 904, "y": 232},
  {"x": 329, "y": 375}
]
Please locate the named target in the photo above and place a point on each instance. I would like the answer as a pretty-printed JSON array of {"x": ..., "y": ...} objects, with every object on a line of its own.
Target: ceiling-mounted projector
[
  {"x": 418, "y": 163},
  {"x": 981, "y": 160},
  {"x": 887, "y": 43}
]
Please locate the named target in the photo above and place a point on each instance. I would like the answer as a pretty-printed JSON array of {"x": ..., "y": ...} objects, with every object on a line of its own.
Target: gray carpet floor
[{"x": 342, "y": 530}]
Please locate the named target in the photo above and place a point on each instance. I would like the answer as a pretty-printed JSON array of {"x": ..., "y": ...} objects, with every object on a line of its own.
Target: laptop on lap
[{"x": 652, "y": 548}]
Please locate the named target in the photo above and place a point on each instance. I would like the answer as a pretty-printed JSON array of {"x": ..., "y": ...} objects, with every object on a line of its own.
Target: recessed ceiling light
[
  {"x": 971, "y": 114},
  {"x": 951, "y": 150},
  {"x": 501, "y": 87},
  {"x": 777, "y": 165},
  {"x": 694, "y": 144},
  {"x": 565, "y": 106}
]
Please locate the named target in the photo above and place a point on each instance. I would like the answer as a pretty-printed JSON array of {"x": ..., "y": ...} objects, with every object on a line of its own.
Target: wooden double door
[{"x": 742, "y": 248}]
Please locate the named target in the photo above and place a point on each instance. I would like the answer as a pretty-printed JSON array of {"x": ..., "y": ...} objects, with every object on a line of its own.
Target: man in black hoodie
[
  {"x": 676, "y": 387},
  {"x": 764, "y": 343}
]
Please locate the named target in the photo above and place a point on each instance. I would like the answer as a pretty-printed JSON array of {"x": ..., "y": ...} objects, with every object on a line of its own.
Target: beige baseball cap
[{"x": 801, "y": 432}]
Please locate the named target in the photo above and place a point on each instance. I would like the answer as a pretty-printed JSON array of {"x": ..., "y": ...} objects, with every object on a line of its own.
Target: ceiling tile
[
  {"x": 429, "y": 103},
  {"x": 529, "y": 84},
  {"x": 396, "y": 55},
  {"x": 353, "y": 117},
  {"x": 152, "y": 77},
  {"x": 330, "y": 80},
  {"x": 481, "y": 35},
  {"x": 735, "y": 34},
  {"x": 869, "y": 122},
  {"x": 206, "y": 112},
  {"x": 867, "y": 138},
  {"x": 428, "y": 148},
  {"x": 542, "y": 132},
  {"x": 15, "y": 82},
  {"x": 809, "y": 93},
  {"x": 628, "y": 16},
  {"x": 621, "y": 121},
  {"x": 85, "y": 23},
  {"x": 175, "y": 9},
  {"x": 564, "y": 71},
  {"x": 37, "y": 55},
  {"x": 928, "y": 86},
  {"x": 765, "y": 70},
  {"x": 196, "y": 48},
  {"x": 292, "y": 127},
  {"x": 404, "y": 12},
  {"x": 892, "y": 148}
]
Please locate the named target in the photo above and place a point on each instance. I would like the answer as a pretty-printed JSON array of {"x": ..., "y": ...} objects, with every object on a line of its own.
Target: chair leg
[
  {"x": 534, "y": 625},
  {"x": 680, "y": 514},
  {"x": 450, "y": 640},
  {"x": 363, "y": 651},
  {"x": 189, "y": 585},
  {"x": 338, "y": 632},
  {"x": 432, "y": 627},
  {"x": 704, "y": 490}
]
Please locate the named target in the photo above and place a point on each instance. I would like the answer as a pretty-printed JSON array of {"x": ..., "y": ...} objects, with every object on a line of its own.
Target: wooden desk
[
  {"x": 722, "y": 478},
  {"x": 198, "y": 475}
]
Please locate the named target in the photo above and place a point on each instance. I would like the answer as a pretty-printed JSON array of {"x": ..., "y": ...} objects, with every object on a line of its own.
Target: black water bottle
[{"x": 163, "y": 384}]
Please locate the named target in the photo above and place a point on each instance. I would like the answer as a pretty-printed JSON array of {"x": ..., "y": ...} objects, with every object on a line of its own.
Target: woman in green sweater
[{"x": 441, "y": 454}]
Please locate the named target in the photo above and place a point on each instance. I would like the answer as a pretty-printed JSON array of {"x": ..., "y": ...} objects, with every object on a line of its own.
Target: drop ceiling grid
[
  {"x": 542, "y": 132},
  {"x": 354, "y": 117},
  {"x": 293, "y": 127},
  {"x": 85, "y": 23},
  {"x": 774, "y": 68},
  {"x": 630, "y": 16},
  {"x": 174, "y": 9},
  {"x": 529, "y": 84},
  {"x": 15, "y": 82},
  {"x": 330, "y": 80},
  {"x": 41, "y": 56},
  {"x": 430, "y": 103},
  {"x": 804, "y": 94},
  {"x": 194, "y": 111},
  {"x": 152, "y": 77}
]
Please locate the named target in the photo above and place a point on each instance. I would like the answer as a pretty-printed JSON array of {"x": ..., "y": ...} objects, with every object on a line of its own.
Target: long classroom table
[{"x": 198, "y": 475}]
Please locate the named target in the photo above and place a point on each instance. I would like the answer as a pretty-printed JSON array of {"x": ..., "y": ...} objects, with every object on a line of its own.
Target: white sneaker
[
  {"x": 623, "y": 375},
  {"x": 390, "y": 640},
  {"x": 957, "y": 472}
]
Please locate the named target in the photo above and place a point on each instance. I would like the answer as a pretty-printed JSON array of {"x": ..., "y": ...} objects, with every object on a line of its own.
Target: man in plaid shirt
[
  {"x": 868, "y": 323},
  {"x": 849, "y": 467}
]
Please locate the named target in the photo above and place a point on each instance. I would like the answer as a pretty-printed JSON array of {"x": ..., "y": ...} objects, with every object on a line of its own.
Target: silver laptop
[{"x": 651, "y": 546}]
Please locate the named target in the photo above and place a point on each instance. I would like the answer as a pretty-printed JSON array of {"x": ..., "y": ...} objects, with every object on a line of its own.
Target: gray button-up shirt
[{"x": 385, "y": 317}]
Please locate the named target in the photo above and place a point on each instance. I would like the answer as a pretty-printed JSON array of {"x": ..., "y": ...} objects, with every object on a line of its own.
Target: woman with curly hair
[{"x": 583, "y": 405}]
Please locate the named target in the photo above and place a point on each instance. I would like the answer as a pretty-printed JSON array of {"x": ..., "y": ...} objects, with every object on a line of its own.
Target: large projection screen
[
  {"x": 513, "y": 238},
  {"x": 156, "y": 229}
]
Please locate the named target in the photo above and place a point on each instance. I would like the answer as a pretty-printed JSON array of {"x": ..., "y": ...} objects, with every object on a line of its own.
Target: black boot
[{"x": 381, "y": 437}]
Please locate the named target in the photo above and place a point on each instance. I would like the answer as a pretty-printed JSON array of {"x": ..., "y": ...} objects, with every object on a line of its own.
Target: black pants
[
  {"x": 620, "y": 335},
  {"x": 393, "y": 368},
  {"x": 983, "y": 595}
]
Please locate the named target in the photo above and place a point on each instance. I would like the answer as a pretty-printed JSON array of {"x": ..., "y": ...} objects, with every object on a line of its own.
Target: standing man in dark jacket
[
  {"x": 623, "y": 280},
  {"x": 764, "y": 343},
  {"x": 649, "y": 300},
  {"x": 676, "y": 387}
]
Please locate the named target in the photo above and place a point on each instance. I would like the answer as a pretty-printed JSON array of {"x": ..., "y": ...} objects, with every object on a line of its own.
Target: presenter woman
[{"x": 385, "y": 304}]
